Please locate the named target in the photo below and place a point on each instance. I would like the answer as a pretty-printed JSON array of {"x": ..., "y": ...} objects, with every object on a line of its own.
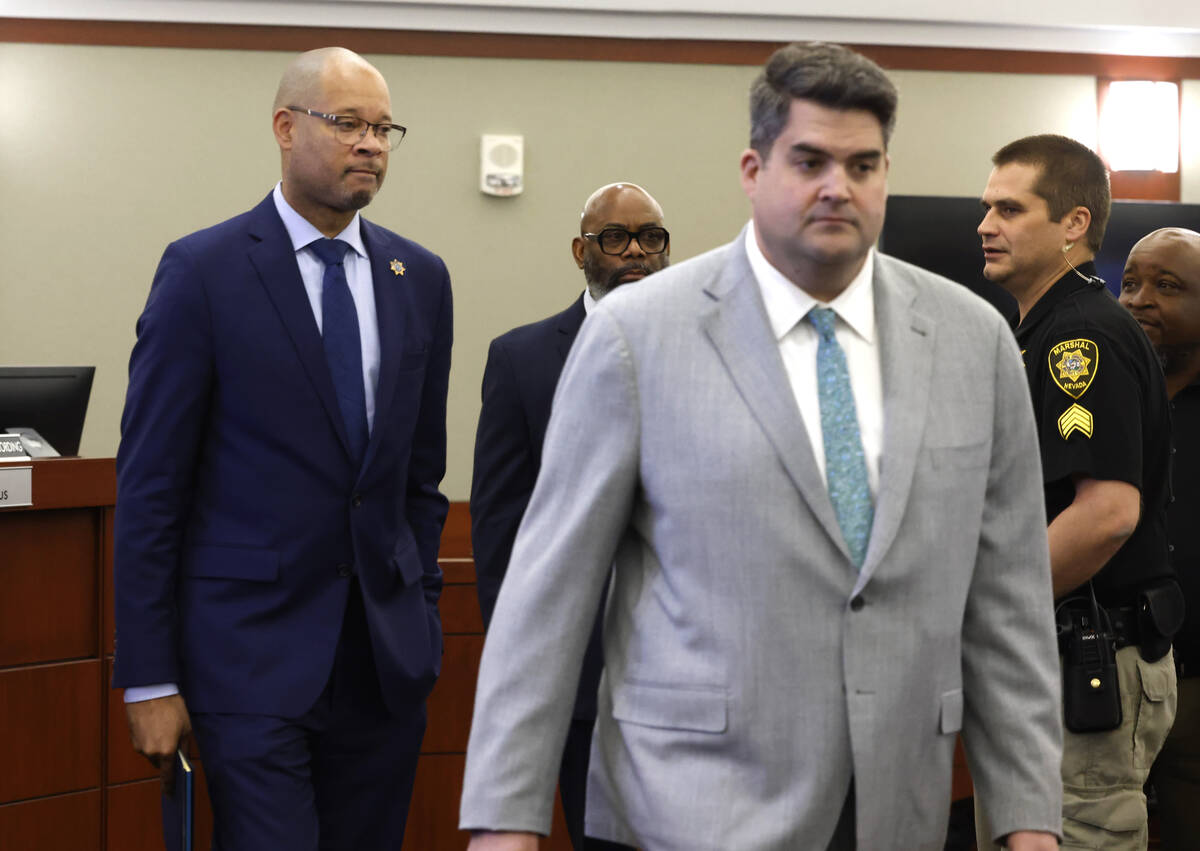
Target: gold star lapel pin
[{"x": 397, "y": 267}]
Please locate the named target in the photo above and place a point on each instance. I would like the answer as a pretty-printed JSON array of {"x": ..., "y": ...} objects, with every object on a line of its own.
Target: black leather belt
[{"x": 1125, "y": 626}]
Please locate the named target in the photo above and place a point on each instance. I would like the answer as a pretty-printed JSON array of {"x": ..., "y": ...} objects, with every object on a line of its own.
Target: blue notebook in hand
[{"x": 177, "y": 807}]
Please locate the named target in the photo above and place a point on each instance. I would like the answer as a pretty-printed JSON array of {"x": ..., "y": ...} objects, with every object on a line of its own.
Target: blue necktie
[
  {"x": 845, "y": 464},
  {"x": 343, "y": 346}
]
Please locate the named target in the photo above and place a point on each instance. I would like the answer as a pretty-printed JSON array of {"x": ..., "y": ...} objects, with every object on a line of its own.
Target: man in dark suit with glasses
[{"x": 621, "y": 240}]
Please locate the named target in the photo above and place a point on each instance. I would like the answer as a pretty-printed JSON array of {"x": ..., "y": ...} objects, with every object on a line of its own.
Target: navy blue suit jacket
[
  {"x": 239, "y": 512},
  {"x": 518, "y": 387}
]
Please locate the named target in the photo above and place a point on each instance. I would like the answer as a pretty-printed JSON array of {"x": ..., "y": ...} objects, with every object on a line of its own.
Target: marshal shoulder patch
[
  {"x": 1073, "y": 365},
  {"x": 1075, "y": 419}
]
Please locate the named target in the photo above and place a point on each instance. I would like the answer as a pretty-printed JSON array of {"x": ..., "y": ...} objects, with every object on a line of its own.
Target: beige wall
[{"x": 119, "y": 150}]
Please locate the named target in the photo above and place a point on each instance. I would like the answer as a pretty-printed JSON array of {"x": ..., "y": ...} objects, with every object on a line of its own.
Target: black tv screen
[
  {"x": 52, "y": 400},
  {"x": 938, "y": 233}
]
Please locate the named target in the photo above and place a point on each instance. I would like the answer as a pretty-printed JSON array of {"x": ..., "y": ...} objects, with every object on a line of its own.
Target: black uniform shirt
[
  {"x": 1183, "y": 520},
  {"x": 1101, "y": 409}
]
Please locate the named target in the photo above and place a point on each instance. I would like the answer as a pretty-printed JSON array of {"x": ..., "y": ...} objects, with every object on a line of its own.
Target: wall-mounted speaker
[{"x": 502, "y": 165}]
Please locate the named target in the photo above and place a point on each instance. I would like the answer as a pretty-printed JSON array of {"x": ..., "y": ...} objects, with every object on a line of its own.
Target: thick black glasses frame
[{"x": 630, "y": 236}]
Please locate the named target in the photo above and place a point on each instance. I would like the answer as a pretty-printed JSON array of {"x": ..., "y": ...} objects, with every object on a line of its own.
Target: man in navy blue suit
[
  {"x": 278, "y": 512},
  {"x": 622, "y": 239}
]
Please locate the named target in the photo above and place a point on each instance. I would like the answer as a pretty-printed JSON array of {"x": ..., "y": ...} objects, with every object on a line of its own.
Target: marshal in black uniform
[{"x": 1102, "y": 412}]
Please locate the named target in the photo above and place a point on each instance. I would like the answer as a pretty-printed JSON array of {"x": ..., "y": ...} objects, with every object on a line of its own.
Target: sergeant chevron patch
[{"x": 1075, "y": 418}]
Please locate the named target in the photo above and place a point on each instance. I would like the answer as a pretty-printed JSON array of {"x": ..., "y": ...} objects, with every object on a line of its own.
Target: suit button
[
  {"x": 343, "y": 570},
  {"x": 356, "y": 500},
  {"x": 857, "y": 603}
]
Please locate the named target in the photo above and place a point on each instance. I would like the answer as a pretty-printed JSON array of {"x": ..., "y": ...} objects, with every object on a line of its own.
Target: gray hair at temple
[{"x": 826, "y": 74}]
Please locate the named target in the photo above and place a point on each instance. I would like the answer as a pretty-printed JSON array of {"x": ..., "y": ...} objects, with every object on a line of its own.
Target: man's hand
[
  {"x": 486, "y": 840},
  {"x": 157, "y": 729},
  {"x": 1032, "y": 840}
]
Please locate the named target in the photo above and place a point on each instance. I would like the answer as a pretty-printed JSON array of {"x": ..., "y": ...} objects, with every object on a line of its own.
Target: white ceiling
[{"x": 1165, "y": 27}]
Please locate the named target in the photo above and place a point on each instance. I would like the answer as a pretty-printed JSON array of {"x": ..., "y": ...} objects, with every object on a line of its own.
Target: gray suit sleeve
[
  {"x": 1012, "y": 723},
  {"x": 579, "y": 510}
]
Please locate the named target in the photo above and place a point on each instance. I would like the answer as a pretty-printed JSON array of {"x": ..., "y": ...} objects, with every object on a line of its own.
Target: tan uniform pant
[
  {"x": 1176, "y": 774},
  {"x": 1104, "y": 808}
]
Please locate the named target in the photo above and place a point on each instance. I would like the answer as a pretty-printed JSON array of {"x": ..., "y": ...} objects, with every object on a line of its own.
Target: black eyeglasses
[
  {"x": 616, "y": 240},
  {"x": 350, "y": 129}
]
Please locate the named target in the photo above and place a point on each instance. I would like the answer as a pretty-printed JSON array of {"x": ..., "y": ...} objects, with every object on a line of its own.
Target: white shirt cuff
[{"x": 136, "y": 694}]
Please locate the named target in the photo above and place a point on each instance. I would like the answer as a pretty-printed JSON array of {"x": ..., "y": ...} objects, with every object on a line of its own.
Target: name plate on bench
[
  {"x": 16, "y": 486},
  {"x": 12, "y": 448}
]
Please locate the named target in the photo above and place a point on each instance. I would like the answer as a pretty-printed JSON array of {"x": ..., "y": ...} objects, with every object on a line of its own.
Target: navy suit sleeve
[
  {"x": 426, "y": 505},
  {"x": 166, "y": 408},
  {"x": 505, "y": 470}
]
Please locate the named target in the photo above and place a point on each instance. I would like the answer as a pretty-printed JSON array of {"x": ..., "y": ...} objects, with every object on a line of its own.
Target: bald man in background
[
  {"x": 621, "y": 240},
  {"x": 278, "y": 514},
  {"x": 1161, "y": 288}
]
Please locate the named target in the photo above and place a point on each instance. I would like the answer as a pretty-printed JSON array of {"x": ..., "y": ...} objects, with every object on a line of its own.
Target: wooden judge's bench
[{"x": 69, "y": 779}]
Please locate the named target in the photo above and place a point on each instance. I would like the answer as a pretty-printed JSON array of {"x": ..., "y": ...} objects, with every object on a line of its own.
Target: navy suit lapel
[
  {"x": 275, "y": 261},
  {"x": 569, "y": 322}
]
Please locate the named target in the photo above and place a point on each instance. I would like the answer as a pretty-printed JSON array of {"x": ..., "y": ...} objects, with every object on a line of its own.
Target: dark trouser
[
  {"x": 340, "y": 776},
  {"x": 1176, "y": 774},
  {"x": 572, "y": 777}
]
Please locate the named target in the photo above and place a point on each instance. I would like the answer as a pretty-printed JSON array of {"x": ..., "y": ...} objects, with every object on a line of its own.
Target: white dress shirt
[
  {"x": 787, "y": 305},
  {"x": 312, "y": 271}
]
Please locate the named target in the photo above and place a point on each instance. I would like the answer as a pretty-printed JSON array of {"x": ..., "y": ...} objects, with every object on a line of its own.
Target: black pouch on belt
[
  {"x": 1091, "y": 690},
  {"x": 1160, "y": 615}
]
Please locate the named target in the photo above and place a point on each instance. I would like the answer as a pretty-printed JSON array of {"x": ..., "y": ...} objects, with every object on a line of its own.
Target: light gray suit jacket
[{"x": 750, "y": 670}]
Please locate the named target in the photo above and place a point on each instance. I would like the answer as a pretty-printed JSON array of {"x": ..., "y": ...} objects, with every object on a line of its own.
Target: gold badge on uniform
[
  {"x": 397, "y": 267},
  {"x": 1073, "y": 365},
  {"x": 1075, "y": 419}
]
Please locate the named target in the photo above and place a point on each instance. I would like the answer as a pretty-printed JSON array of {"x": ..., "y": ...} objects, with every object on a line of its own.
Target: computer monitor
[{"x": 52, "y": 400}]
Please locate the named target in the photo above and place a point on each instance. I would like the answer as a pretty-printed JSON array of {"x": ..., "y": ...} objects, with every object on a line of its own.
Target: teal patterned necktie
[{"x": 845, "y": 464}]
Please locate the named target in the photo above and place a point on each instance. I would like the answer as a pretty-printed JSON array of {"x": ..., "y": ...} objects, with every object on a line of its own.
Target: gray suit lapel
[
  {"x": 906, "y": 342},
  {"x": 738, "y": 328}
]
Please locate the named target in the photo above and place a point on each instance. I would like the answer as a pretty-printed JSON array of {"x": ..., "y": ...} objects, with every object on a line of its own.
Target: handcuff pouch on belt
[
  {"x": 1159, "y": 615},
  {"x": 1091, "y": 690}
]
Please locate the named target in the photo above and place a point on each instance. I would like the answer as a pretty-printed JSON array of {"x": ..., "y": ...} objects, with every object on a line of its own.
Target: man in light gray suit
[{"x": 815, "y": 473}]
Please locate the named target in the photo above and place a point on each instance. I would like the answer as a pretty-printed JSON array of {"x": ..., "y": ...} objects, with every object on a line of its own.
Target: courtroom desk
[{"x": 52, "y": 683}]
